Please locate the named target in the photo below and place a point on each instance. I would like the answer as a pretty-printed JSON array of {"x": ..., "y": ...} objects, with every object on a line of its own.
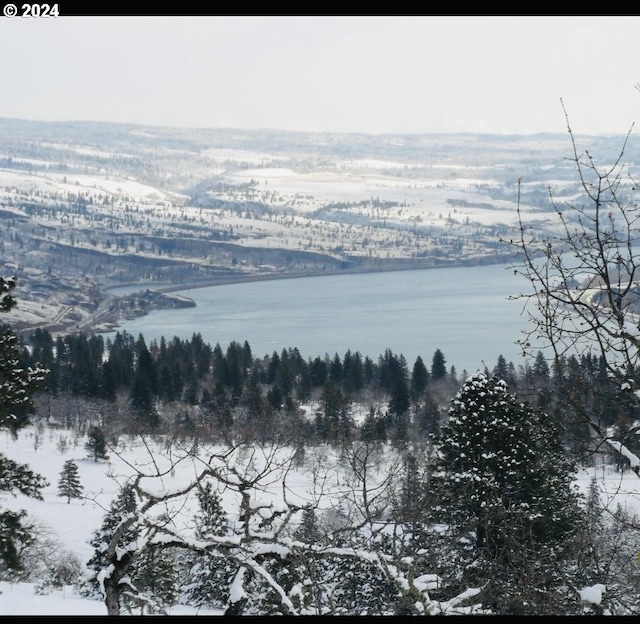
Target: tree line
[{"x": 191, "y": 387}]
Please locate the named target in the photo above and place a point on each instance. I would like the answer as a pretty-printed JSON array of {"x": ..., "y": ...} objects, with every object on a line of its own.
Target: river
[{"x": 463, "y": 311}]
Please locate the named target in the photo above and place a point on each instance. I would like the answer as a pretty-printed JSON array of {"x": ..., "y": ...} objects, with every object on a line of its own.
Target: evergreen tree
[
  {"x": 356, "y": 586},
  {"x": 438, "y": 365},
  {"x": 318, "y": 371},
  {"x": 303, "y": 391},
  {"x": 353, "y": 371},
  {"x": 336, "y": 370},
  {"x": 505, "y": 482},
  {"x": 309, "y": 531},
  {"x": 428, "y": 415},
  {"x": 501, "y": 369},
  {"x": 124, "y": 504},
  {"x": 141, "y": 400},
  {"x": 209, "y": 573},
  {"x": 234, "y": 370},
  {"x": 69, "y": 483},
  {"x": 191, "y": 385},
  {"x": 156, "y": 581},
  {"x": 144, "y": 388},
  {"x": 116, "y": 554},
  {"x": 121, "y": 358},
  {"x": 141, "y": 579},
  {"x": 419, "y": 379},
  {"x": 408, "y": 507},
  {"x": 96, "y": 444},
  {"x": 17, "y": 386},
  {"x": 374, "y": 427},
  {"x": 221, "y": 406},
  {"x": 108, "y": 385},
  {"x": 334, "y": 422},
  {"x": 399, "y": 399}
]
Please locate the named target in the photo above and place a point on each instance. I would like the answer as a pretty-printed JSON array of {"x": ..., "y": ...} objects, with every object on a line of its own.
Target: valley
[{"x": 87, "y": 207}]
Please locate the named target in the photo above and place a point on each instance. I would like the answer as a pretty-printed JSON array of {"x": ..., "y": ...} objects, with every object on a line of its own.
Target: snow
[
  {"x": 241, "y": 156},
  {"x": 593, "y": 594},
  {"x": 80, "y": 182},
  {"x": 22, "y": 599},
  {"x": 46, "y": 449},
  {"x": 73, "y": 524},
  {"x": 634, "y": 461}
]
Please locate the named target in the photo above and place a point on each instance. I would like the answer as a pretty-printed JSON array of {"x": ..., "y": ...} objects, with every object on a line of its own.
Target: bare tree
[
  {"x": 584, "y": 302},
  {"x": 263, "y": 540}
]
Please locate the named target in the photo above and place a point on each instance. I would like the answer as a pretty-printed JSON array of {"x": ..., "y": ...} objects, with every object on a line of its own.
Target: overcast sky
[{"x": 496, "y": 74}]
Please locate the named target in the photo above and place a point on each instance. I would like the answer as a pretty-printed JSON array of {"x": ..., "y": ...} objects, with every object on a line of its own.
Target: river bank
[{"x": 239, "y": 277}]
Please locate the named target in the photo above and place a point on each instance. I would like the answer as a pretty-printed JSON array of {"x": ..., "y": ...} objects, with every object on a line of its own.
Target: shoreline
[{"x": 240, "y": 278}]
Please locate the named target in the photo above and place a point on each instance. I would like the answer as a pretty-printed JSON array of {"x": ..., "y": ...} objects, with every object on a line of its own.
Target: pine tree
[
  {"x": 156, "y": 581},
  {"x": 17, "y": 386},
  {"x": 96, "y": 445},
  {"x": 505, "y": 486},
  {"x": 124, "y": 503},
  {"x": 123, "y": 574},
  {"x": 309, "y": 531},
  {"x": 209, "y": 573},
  {"x": 438, "y": 365},
  {"x": 69, "y": 483},
  {"x": 419, "y": 379},
  {"x": 428, "y": 415}
]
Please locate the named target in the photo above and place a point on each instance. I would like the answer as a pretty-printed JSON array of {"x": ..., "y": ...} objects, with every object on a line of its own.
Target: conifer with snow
[
  {"x": 96, "y": 444},
  {"x": 124, "y": 506},
  {"x": 140, "y": 577},
  {"x": 69, "y": 483},
  {"x": 17, "y": 386},
  {"x": 505, "y": 487},
  {"x": 209, "y": 573}
]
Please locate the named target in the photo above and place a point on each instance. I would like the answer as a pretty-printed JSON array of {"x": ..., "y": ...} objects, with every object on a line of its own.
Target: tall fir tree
[
  {"x": 69, "y": 483},
  {"x": 141, "y": 579},
  {"x": 17, "y": 387},
  {"x": 506, "y": 487},
  {"x": 438, "y": 365},
  {"x": 156, "y": 581},
  {"x": 419, "y": 379}
]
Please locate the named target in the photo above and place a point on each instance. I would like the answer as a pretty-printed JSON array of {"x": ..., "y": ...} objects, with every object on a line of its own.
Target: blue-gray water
[{"x": 465, "y": 312}]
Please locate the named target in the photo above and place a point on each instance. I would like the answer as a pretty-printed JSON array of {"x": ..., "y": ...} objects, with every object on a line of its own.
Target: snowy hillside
[
  {"x": 89, "y": 206},
  {"x": 70, "y": 526}
]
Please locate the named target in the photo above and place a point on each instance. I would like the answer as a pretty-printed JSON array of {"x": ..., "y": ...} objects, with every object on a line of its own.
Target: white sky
[{"x": 372, "y": 74}]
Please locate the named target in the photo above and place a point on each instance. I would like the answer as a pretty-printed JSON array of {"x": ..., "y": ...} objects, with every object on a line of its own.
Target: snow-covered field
[{"x": 371, "y": 208}]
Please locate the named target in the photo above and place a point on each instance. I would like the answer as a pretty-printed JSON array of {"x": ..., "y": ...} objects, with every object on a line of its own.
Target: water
[{"x": 465, "y": 312}]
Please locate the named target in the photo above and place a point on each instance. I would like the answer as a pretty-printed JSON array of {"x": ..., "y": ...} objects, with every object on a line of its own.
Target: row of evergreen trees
[
  {"x": 182, "y": 370},
  {"x": 231, "y": 390}
]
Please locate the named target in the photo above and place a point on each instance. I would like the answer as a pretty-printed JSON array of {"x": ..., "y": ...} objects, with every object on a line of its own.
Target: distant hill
[{"x": 87, "y": 205}]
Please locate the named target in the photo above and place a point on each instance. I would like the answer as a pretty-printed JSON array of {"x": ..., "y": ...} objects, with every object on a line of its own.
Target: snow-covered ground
[
  {"x": 22, "y": 599},
  {"x": 72, "y": 524}
]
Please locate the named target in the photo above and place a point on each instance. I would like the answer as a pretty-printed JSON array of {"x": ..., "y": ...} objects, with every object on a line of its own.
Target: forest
[
  {"x": 416, "y": 505},
  {"x": 190, "y": 388}
]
